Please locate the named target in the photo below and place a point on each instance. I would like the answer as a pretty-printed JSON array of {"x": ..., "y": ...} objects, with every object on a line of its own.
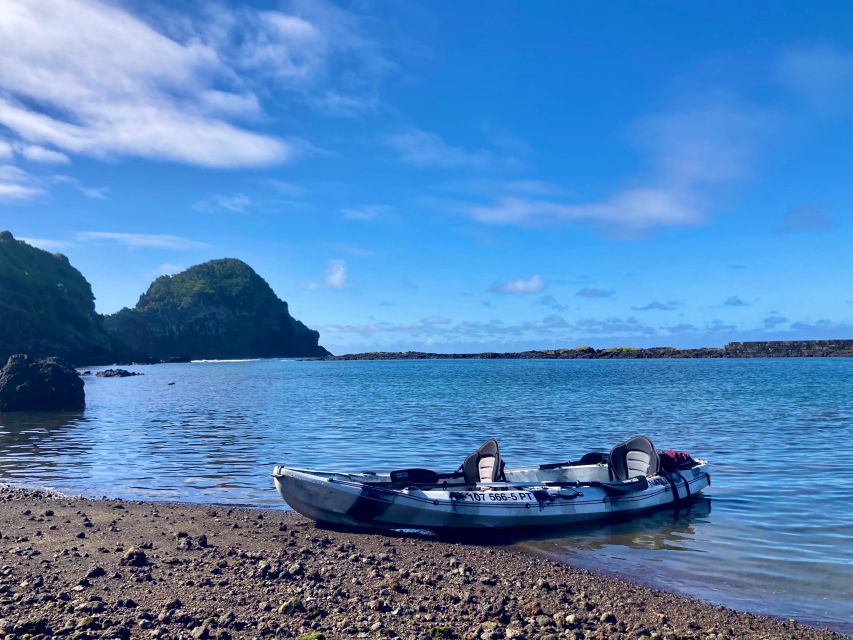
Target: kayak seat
[
  {"x": 634, "y": 458},
  {"x": 484, "y": 465}
]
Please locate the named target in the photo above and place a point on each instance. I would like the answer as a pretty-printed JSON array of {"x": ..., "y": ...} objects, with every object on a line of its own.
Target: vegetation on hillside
[
  {"x": 218, "y": 309},
  {"x": 47, "y": 308}
]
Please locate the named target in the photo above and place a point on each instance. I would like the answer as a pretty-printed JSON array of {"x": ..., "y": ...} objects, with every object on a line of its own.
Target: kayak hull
[{"x": 357, "y": 500}]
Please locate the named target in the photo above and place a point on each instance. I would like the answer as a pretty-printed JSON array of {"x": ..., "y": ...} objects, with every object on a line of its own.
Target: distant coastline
[{"x": 765, "y": 349}]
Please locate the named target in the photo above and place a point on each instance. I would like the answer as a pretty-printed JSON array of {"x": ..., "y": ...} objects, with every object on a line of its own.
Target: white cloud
[
  {"x": 533, "y": 284},
  {"x": 35, "y": 153},
  {"x": 236, "y": 203},
  {"x": 426, "y": 149},
  {"x": 687, "y": 151},
  {"x": 592, "y": 292},
  {"x": 17, "y": 184},
  {"x": 364, "y": 214},
  {"x": 46, "y": 243},
  {"x": 633, "y": 208},
  {"x": 143, "y": 240},
  {"x": 93, "y": 193},
  {"x": 91, "y": 78},
  {"x": 336, "y": 274},
  {"x": 356, "y": 251}
]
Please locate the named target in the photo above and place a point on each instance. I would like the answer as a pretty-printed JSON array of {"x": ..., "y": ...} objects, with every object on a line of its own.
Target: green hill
[
  {"x": 47, "y": 308},
  {"x": 219, "y": 309}
]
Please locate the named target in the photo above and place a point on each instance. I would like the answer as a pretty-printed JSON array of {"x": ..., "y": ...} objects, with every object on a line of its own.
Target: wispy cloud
[
  {"x": 686, "y": 151},
  {"x": 657, "y": 306},
  {"x": 820, "y": 74},
  {"x": 35, "y": 153},
  {"x": 632, "y": 208},
  {"x": 807, "y": 219},
  {"x": 17, "y": 184},
  {"x": 95, "y": 79},
  {"x": 93, "y": 193},
  {"x": 735, "y": 301},
  {"x": 520, "y": 286},
  {"x": 46, "y": 243},
  {"x": 774, "y": 321},
  {"x": 142, "y": 240},
  {"x": 358, "y": 252},
  {"x": 285, "y": 188},
  {"x": 552, "y": 303},
  {"x": 592, "y": 292},
  {"x": 367, "y": 213},
  {"x": 235, "y": 203},
  {"x": 336, "y": 276},
  {"x": 426, "y": 149}
]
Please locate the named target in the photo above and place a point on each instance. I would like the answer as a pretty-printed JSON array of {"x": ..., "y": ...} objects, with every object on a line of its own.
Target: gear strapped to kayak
[{"x": 482, "y": 492}]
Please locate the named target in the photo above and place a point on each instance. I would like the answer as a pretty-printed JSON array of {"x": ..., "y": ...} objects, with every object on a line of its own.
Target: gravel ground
[{"x": 79, "y": 568}]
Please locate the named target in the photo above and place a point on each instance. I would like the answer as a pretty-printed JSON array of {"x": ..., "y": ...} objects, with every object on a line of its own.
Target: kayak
[{"x": 482, "y": 493}]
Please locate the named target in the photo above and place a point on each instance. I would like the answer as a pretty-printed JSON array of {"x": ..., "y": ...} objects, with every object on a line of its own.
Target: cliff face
[
  {"x": 217, "y": 310},
  {"x": 47, "y": 308}
]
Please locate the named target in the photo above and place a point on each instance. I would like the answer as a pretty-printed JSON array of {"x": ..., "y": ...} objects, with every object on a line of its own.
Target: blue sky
[{"x": 448, "y": 176}]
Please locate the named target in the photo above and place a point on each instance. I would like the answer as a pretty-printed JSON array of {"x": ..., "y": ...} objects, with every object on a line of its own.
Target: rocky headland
[
  {"x": 47, "y": 308},
  {"x": 767, "y": 349},
  {"x": 216, "y": 310},
  {"x": 77, "y": 568}
]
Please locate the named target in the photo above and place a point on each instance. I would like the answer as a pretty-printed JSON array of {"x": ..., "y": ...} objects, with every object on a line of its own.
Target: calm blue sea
[{"x": 775, "y": 534}]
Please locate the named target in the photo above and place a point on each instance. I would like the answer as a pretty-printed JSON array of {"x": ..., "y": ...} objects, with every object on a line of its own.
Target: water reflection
[
  {"x": 29, "y": 435},
  {"x": 668, "y": 528}
]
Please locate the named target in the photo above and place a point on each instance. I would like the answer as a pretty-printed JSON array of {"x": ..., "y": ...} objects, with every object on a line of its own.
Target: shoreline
[
  {"x": 92, "y": 568},
  {"x": 768, "y": 349}
]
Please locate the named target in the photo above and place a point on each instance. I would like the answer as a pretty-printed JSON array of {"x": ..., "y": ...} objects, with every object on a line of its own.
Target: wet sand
[{"x": 79, "y": 568}]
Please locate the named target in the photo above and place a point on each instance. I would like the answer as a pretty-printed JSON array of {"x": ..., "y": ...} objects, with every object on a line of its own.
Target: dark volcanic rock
[
  {"x": 40, "y": 385},
  {"x": 217, "y": 310},
  {"x": 117, "y": 373},
  {"x": 47, "y": 308}
]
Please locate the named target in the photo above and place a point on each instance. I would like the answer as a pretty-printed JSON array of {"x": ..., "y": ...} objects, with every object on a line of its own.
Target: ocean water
[{"x": 774, "y": 534}]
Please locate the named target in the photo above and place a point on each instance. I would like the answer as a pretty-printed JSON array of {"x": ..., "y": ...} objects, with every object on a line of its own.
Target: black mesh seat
[
  {"x": 484, "y": 465},
  {"x": 633, "y": 458}
]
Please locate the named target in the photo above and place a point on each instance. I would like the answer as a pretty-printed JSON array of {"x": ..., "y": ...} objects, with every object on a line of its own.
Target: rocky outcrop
[
  {"x": 221, "y": 309},
  {"x": 117, "y": 373},
  {"x": 790, "y": 349},
  {"x": 50, "y": 384},
  {"x": 47, "y": 308}
]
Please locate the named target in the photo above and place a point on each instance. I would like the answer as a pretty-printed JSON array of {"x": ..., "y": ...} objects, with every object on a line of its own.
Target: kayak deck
[{"x": 530, "y": 496}]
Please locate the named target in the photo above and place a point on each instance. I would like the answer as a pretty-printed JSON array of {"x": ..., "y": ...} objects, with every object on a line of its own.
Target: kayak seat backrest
[
  {"x": 634, "y": 458},
  {"x": 484, "y": 465}
]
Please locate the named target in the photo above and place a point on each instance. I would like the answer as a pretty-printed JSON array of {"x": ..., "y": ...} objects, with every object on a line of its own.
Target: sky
[{"x": 446, "y": 176}]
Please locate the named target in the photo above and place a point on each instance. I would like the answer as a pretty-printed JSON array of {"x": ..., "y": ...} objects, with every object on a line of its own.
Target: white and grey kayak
[{"x": 482, "y": 493}]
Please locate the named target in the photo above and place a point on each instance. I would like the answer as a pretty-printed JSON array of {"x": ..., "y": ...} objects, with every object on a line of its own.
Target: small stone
[
  {"x": 201, "y": 633},
  {"x": 608, "y": 616},
  {"x": 96, "y": 572},
  {"x": 134, "y": 558}
]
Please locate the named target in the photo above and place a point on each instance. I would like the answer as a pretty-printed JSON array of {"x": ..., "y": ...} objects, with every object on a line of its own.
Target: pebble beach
[{"x": 82, "y": 568}]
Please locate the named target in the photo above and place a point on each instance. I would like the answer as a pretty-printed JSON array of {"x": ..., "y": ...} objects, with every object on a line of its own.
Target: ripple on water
[{"x": 776, "y": 536}]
